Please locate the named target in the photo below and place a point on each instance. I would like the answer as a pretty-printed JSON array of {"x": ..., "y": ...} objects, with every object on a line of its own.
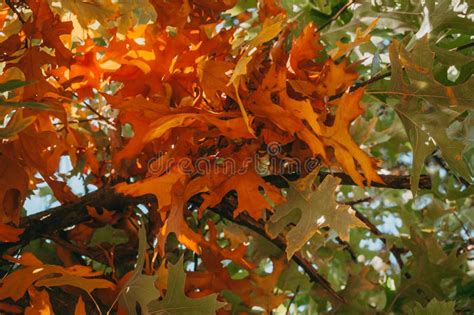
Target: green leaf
[
  {"x": 293, "y": 278},
  {"x": 176, "y": 302},
  {"x": 422, "y": 147},
  {"x": 139, "y": 288},
  {"x": 434, "y": 307},
  {"x": 318, "y": 209},
  {"x": 440, "y": 16},
  {"x": 110, "y": 235},
  {"x": 13, "y": 84},
  {"x": 430, "y": 267},
  {"x": 427, "y": 107}
]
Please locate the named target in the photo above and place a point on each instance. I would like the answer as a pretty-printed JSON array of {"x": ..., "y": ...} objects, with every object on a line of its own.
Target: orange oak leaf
[
  {"x": 87, "y": 284},
  {"x": 262, "y": 105},
  {"x": 41, "y": 150},
  {"x": 346, "y": 150},
  {"x": 216, "y": 278},
  {"x": 31, "y": 63},
  {"x": 39, "y": 303},
  {"x": 9, "y": 233},
  {"x": 16, "y": 284},
  {"x": 13, "y": 189},
  {"x": 269, "y": 8},
  {"x": 334, "y": 78},
  {"x": 232, "y": 128},
  {"x": 175, "y": 223},
  {"x": 304, "y": 49},
  {"x": 49, "y": 28},
  {"x": 213, "y": 78},
  {"x": 236, "y": 255},
  {"x": 161, "y": 187},
  {"x": 250, "y": 199},
  {"x": 172, "y": 13}
]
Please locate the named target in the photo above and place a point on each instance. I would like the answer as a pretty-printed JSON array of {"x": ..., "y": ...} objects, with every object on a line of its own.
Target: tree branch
[
  {"x": 390, "y": 181},
  {"x": 359, "y": 85},
  {"x": 59, "y": 218},
  {"x": 47, "y": 223}
]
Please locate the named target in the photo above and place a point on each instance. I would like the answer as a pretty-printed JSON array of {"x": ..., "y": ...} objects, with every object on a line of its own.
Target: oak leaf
[
  {"x": 317, "y": 210},
  {"x": 31, "y": 63},
  {"x": 333, "y": 78},
  {"x": 175, "y": 302},
  {"x": 347, "y": 152},
  {"x": 213, "y": 79},
  {"x": 176, "y": 223},
  {"x": 427, "y": 107},
  {"x": 248, "y": 195},
  {"x": 13, "y": 189},
  {"x": 304, "y": 49},
  {"x": 139, "y": 288},
  {"x": 9, "y": 233},
  {"x": 160, "y": 186},
  {"x": 34, "y": 272},
  {"x": 39, "y": 303}
]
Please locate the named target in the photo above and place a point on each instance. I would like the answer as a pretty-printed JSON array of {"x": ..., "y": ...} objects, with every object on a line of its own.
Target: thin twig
[
  {"x": 465, "y": 46},
  {"x": 336, "y": 16},
  {"x": 12, "y": 6},
  {"x": 292, "y": 300},
  {"x": 395, "y": 250},
  {"x": 387, "y": 74},
  {"x": 463, "y": 227},
  {"x": 78, "y": 121},
  {"x": 102, "y": 117},
  {"x": 363, "y": 83},
  {"x": 347, "y": 247},
  {"x": 355, "y": 202}
]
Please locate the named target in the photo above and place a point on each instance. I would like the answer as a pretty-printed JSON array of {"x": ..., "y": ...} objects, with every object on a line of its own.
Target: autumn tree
[{"x": 236, "y": 157}]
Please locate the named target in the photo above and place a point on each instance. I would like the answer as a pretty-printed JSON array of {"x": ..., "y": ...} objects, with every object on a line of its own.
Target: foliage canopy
[{"x": 236, "y": 157}]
